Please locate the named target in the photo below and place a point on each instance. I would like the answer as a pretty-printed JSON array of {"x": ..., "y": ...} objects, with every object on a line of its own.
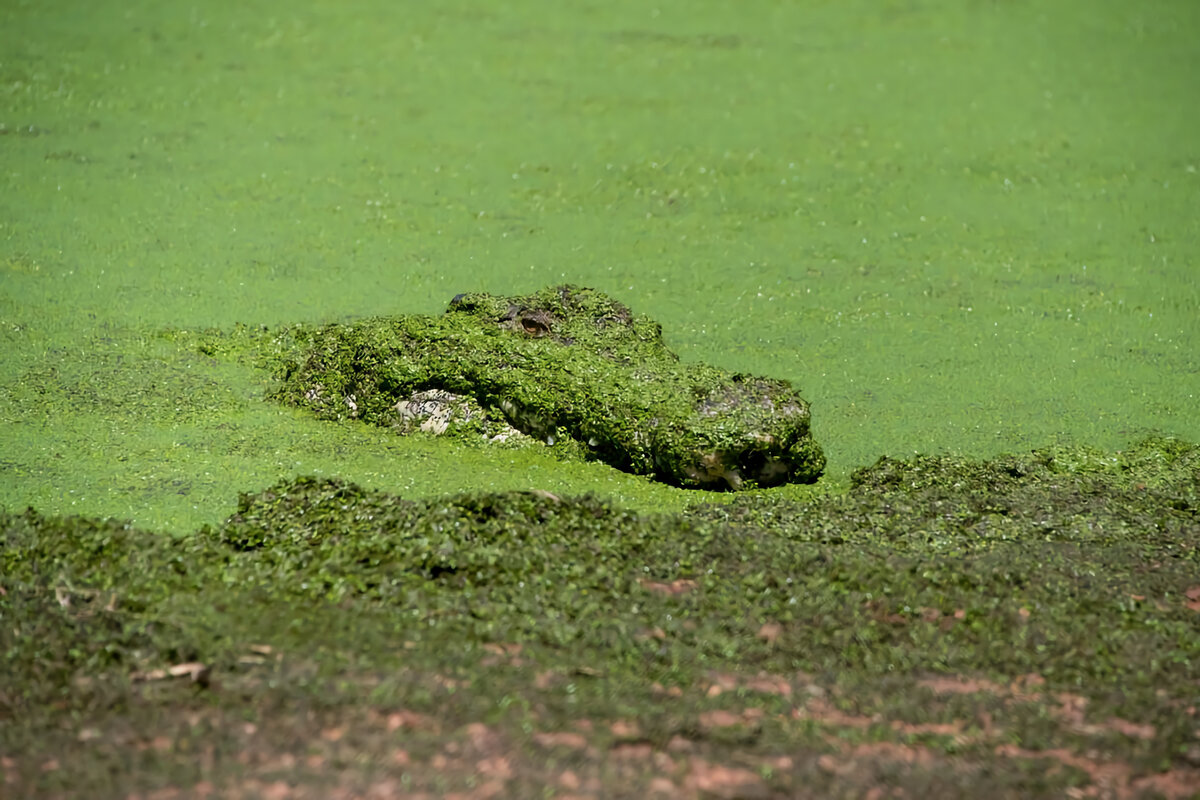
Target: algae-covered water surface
[{"x": 957, "y": 230}]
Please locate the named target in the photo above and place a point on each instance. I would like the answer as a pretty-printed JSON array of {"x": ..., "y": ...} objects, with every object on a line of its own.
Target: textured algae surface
[
  {"x": 960, "y": 227},
  {"x": 565, "y": 362},
  {"x": 945, "y": 625}
]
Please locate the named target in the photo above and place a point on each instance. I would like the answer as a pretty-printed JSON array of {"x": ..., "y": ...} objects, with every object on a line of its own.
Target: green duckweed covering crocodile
[{"x": 563, "y": 362}]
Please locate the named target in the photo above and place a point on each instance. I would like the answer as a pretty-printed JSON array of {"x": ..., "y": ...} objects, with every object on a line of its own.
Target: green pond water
[{"x": 955, "y": 226}]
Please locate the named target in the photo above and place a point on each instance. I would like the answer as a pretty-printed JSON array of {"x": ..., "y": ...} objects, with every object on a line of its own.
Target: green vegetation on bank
[{"x": 1074, "y": 565}]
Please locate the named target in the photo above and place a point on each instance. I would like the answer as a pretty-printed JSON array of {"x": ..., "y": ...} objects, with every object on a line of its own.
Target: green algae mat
[{"x": 957, "y": 240}]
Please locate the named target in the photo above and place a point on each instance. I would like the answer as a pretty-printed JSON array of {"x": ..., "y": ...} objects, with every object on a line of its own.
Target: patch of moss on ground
[{"x": 983, "y": 615}]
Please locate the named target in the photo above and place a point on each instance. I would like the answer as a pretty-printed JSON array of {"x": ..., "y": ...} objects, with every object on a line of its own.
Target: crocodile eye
[
  {"x": 534, "y": 327},
  {"x": 533, "y": 322}
]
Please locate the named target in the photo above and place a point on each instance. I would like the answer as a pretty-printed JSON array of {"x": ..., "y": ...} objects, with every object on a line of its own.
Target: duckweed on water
[{"x": 1076, "y": 567}]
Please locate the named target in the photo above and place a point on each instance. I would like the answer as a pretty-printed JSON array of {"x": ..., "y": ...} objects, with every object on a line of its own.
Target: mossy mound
[
  {"x": 563, "y": 362},
  {"x": 1048, "y": 599},
  {"x": 1070, "y": 531}
]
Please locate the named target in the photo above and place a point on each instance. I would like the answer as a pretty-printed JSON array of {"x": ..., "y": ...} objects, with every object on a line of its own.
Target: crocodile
[{"x": 562, "y": 362}]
